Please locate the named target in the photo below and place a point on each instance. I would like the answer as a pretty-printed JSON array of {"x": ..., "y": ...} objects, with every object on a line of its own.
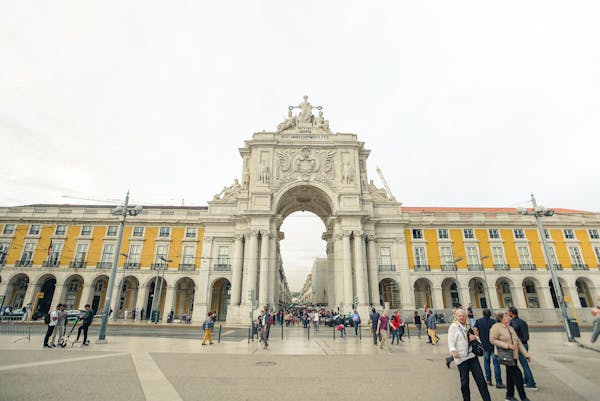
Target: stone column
[
  {"x": 338, "y": 270},
  {"x": 361, "y": 277},
  {"x": 437, "y": 300},
  {"x": 545, "y": 297},
  {"x": 263, "y": 285},
  {"x": 236, "y": 270},
  {"x": 373, "y": 272},
  {"x": 330, "y": 275},
  {"x": 85, "y": 295},
  {"x": 272, "y": 301},
  {"x": 29, "y": 294},
  {"x": 518, "y": 297},
  {"x": 347, "y": 261},
  {"x": 202, "y": 295},
  {"x": 572, "y": 293},
  {"x": 252, "y": 265},
  {"x": 464, "y": 293},
  {"x": 169, "y": 297},
  {"x": 492, "y": 296},
  {"x": 406, "y": 293},
  {"x": 140, "y": 302}
]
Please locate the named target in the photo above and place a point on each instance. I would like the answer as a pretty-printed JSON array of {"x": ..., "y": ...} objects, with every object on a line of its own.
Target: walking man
[
  {"x": 417, "y": 320},
  {"x": 87, "y": 317},
  {"x": 522, "y": 330},
  {"x": 356, "y": 321},
  {"x": 432, "y": 327},
  {"x": 374, "y": 319},
  {"x": 60, "y": 325},
  {"x": 207, "y": 326},
  {"x": 482, "y": 330},
  {"x": 266, "y": 327}
]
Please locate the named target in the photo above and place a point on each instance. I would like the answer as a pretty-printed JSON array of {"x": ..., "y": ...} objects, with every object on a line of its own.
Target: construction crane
[{"x": 387, "y": 188}]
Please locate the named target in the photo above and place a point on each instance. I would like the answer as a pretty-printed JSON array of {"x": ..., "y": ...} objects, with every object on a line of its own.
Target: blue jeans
[
  {"x": 527, "y": 375},
  {"x": 486, "y": 365}
]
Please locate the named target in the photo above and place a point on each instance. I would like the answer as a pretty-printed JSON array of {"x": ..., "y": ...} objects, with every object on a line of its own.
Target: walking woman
[
  {"x": 502, "y": 335},
  {"x": 208, "y": 325},
  {"x": 466, "y": 361}
]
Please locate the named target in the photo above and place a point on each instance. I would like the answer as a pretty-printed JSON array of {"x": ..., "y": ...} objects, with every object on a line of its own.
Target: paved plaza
[{"x": 297, "y": 368}]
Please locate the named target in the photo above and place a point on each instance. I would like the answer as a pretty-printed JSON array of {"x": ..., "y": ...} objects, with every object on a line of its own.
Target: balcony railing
[
  {"x": 77, "y": 264},
  {"x": 501, "y": 266},
  {"x": 221, "y": 267},
  {"x": 387, "y": 268},
  {"x": 187, "y": 266},
  {"x": 131, "y": 265},
  {"x": 528, "y": 266},
  {"x": 104, "y": 265},
  {"x": 158, "y": 266},
  {"x": 449, "y": 267},
  {"x": 51, "y": 263},
  {"x": 475, "y": 268},
  {"x": 2, "y": 262},
  {"x": 556, "y": 267},
  {"x": 422, "y": 268},
  {"x": 579, "y": 266},
  {"x": 24, "y": 263}
]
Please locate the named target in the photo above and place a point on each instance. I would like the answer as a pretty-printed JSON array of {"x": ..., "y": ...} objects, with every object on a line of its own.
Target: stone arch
[
  {"x": 220, "y": 295},
  {"x": 71, "y": 292},
  {"x": 504, "y": 291},
  {"x": 98, "y": 290},
  {"x": 479, "y": 293},
  {"x": 389, "y": 291},
  {"x": 183, "y": 304},
  {"x": 586, "y": 291},
  {"x": 129, "y": 287},
  {"x": 531, "y": 291},
  {"x": 46, "y": 285},
  {"x": 314, "y": 197},
  {"x": 158, "y": 285},
  {"x": 563, "y": 288},
  {"x": 450, "y": 293},
  {"x": 422, "y": 290},
  {"x": 16, "y": 290}
]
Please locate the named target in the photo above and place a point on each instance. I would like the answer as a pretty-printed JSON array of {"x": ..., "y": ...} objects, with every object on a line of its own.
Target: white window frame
[
  {"x": 576, "y": 256},
  {"x": 593, "y": 233},
  {"x": 468, "y": 233},
  {"x": 188, "y": 259},
  {"x": 85, "y": 229},
  {"x": 161, "y": 250},
  {"x": 568, "y": 233},
  {"x": 4, "y": 247},
  {"x": 35, "y": 229},
  {"x": 164, "y": 230},
  {"x": 472, "y": 255},
  {"x": 597, "y": 252},
  {"x": 524, "y": 257},
  {"x": 498, "y": 256},
  {"x": 191, "y": 232},
  {"x": 415, "y": 231},
  {"x": 8, "y": 229},
  {"x": 109, "y": 234},
  {"x": 420, "y": 256},
  {"x": 496, "y": 233},
  {"x": 223, "y": 255},
  {"x": 108, "y": 253},
  {"x": 81, "y": 252},
  {"x": 134, "y": 257},
  {"x": 446, "y": 256},
  {"x": 135, "y": 231},
  {"x": 443, "y": 230},
  {"x": 552, "y": 255},
  {"x": 519, "y": 230},
  {"x": 547, "y": 233},
  {"x": 28, "y": 251},
  {"x": 61, "y": 229}
]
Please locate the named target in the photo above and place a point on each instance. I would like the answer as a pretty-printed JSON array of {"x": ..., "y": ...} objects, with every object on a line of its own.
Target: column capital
[
  {"x": 208, "y": 239},
  {"x": 238, "y": 237},
  {"x": 371, "y": 237}
]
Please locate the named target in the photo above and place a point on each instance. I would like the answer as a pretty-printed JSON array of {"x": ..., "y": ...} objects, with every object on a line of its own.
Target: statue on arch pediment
[
  {"x": 379, "y": 193},
  {"x": 290, "y": 122},
  {"x": 229, "y": 193}
]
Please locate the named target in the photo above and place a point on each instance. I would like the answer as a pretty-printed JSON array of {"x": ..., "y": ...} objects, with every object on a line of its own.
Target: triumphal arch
[{"x": 302, "y": 166}]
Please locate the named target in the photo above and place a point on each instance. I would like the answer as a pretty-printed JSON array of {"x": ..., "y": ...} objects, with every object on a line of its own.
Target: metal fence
[{"x": 15, "y": 326}]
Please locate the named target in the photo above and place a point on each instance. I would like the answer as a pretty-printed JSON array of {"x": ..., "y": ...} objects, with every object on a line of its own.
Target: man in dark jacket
[
  {"x": 87, "y": 317},
  {"x": 374, "y": 318},
  {"x": 522, "y": 330},
  {"x": 482, "y": 329}
]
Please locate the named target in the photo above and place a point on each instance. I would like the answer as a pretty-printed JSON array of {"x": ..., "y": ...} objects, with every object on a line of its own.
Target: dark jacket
[
  {"x": 88, "y": 316},
  {"x": 521, "y": 329},
  {"x": 484, "y": 325}
]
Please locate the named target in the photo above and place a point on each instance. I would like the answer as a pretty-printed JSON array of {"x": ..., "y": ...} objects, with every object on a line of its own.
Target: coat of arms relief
[{"x": 305, "y": 165}]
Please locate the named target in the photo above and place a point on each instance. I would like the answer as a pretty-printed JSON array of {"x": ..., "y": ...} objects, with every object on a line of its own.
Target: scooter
[{"x": 63, "y": 342}]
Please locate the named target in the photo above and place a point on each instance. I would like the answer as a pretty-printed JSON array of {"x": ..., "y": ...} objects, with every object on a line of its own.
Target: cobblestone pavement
[{"x": 164, "y": 369}]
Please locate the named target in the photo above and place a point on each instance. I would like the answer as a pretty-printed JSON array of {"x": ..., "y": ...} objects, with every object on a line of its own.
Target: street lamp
[
  {"x": 454, "y": 262},
  {"x": 539, "y": 211},
  {"x": 162, "y": 278},
  {"x": 121, "y": 289},
  {"x": 122, "y": 211},
  {"x": 487, "y": 290}
]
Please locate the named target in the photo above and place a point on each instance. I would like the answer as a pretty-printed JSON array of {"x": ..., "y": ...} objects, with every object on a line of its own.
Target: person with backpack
[
  {"x": 51, "y": 319},
  {"x": 207, "y": 326},
  {"x": 374, "y": 320},
  {"x": 87, "y": 317}
]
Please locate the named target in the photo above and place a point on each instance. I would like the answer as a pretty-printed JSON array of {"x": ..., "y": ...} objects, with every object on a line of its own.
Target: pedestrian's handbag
[
  {"x": 505, "y": 355},
  {"x": 475, "y": 345}
]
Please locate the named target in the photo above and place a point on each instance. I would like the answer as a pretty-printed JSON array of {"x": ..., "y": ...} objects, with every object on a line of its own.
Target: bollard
[
  {"x": 282, "y": 331},
  {"x": 407, "y": 326},
  {"x": 334, "y": 326},
  {"x": 219, "y": 339},
  {"x": 359, "y": 332},
  {"x": 249, "y": 332},
  {"x": 309, "y": 331}
]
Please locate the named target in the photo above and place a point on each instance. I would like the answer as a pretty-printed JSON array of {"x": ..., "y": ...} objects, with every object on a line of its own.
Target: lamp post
[
  {"x": 539, "y": 211},
  {"x": 155, "y": 298},
  {"x": 454, "y": 262},
  {"x": 121, "y": 211},
  {"x": 487, "y": 290},
  {"x": 120, "y": 289}
]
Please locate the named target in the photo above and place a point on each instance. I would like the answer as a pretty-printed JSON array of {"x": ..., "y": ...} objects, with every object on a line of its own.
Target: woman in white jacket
[{"x": 458, "y": 345}]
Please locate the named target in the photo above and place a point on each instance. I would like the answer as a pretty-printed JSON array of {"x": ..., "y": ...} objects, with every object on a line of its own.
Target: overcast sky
[{"x": 462, "y": 103}]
